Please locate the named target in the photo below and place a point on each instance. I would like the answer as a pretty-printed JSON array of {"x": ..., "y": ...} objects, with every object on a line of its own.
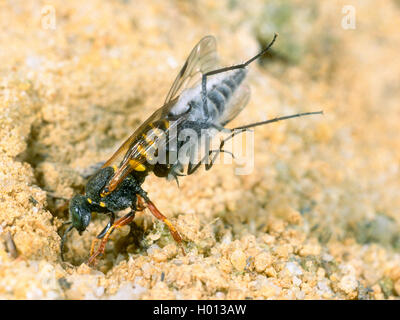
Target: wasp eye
[{"x": 80, "y": 212}]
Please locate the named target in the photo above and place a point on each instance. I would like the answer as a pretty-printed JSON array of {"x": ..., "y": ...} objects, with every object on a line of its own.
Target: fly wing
[
  {"x": 235, "y": 104},
  {"x": 203, "y": 58}
]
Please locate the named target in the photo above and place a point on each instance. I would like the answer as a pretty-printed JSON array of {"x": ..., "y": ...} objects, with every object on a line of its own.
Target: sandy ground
[{"x": 319, "y": 216}]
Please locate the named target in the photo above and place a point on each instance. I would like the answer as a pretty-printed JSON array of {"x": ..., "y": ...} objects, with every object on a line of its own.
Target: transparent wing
[
  {"x": 235, "y": 104},
  {"x": 129, "y": 155},
  {"x": 128, "y": 144},
  {"x": 202, "y": 59}
]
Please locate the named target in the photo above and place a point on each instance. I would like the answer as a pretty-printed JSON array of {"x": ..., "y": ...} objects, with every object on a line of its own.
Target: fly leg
[
  {"x": 238, "y": 130},
  {"x": 117, "y": 224},
  {"x": 191, "y": 169},
  {"x": 143, "y": 200},
  {"x": 234, "y": 132},
  {"x": 217, "y": 152},
  {"x": 238, "y": 66}
]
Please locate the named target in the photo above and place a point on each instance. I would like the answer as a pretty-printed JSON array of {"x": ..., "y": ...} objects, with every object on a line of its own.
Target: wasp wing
[
  {"x": 234, "y": 106},
  {"x": 203, "y": 58},
  {"x": 128, "y": 144},
  {"x": 132, "y": 150}
]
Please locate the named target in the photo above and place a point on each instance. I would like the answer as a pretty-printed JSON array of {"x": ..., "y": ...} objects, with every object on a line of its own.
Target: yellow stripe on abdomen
[{"x": 136, "y": 165}]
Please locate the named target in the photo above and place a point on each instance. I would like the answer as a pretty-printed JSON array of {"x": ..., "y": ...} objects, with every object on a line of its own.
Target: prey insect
[{"x": 202, "y": 97}]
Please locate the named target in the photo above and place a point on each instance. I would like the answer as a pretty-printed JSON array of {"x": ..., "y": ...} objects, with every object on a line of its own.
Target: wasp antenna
[
  {"x": 63, "y": 239},
  {"x": 256, "y": 124}
]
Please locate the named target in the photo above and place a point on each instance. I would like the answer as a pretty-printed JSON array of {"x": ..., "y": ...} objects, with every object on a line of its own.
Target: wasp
[{"x": 202, "y": 97}]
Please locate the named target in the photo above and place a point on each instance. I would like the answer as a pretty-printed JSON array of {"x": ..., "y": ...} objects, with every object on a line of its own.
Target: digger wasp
[{"x": 202, "y": 97}]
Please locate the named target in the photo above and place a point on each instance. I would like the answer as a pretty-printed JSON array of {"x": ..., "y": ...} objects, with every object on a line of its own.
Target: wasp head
[{"x": 80, "y": 213}]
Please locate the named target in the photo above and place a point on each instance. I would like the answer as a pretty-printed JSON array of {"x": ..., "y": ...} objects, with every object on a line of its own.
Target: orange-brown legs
[
  {"x": 102, "y": 233},
  {"x": 117, "y": 224},
  {"x": 142, "y": 203},
  {"x": 95, "y": 240},
  {"x": 146, "y": 202}
]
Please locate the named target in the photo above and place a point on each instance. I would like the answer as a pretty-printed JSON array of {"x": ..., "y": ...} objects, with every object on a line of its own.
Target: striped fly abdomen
[{"x": 221, "y": 91}]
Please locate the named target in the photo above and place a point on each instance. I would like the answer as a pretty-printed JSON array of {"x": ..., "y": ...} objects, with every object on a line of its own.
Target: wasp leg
[
  {"x": 109, "y": 224},
  {"x": 92, "y": 247},
  {"x": 238, "y": 66},
  {"x": 153, "y": 209},
  {"x": 102, "y": 233},
  {"x": 140, "y": 204},
  {"x": 118, "y": 224}
]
